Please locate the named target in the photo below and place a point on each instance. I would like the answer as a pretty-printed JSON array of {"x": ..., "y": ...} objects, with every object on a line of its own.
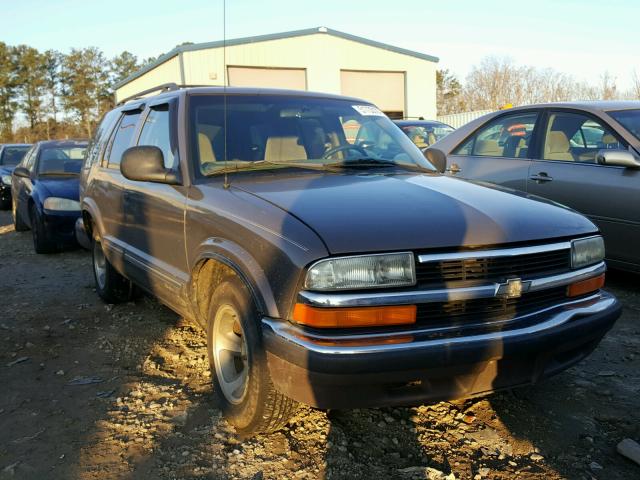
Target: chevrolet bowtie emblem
[{"x": 513, "y": 288}]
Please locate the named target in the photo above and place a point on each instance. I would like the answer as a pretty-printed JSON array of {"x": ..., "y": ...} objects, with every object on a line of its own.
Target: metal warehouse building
[{"x": 401, "y": 82}]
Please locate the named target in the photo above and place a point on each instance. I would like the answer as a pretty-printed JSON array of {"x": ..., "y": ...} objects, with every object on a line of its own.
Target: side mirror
[
  {"x": 22, "y": 172},
  {"x": 620, "y": 158},
  {"x": 437, "y": 158},
  {"x": 146, "y": 164}
]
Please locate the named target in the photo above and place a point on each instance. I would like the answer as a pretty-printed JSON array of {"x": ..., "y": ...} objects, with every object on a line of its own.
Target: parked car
[
  {"x": 45, "y": 190},
  {"x": 424, "y": 132},
  {"x": 584, "y": 155},
  {"x": 333, "y": 273},
  {"x": 10, "y": 155}
]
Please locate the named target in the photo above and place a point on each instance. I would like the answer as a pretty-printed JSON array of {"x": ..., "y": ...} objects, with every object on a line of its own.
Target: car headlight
[
  {"x": 366, "y": 271},
  {"x": 587, "y": 251},
  {"x": 64, "y": 204},
  {"x": 6, "y": 179}
]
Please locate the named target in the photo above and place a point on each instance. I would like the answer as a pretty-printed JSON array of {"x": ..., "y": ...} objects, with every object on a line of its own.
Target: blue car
[
  {"x": 45, "y": 191},
  {"x": 11, "y": 154}
]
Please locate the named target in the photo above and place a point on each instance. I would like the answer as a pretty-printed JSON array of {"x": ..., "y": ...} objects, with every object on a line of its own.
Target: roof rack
[{"x": 165, "y": 87}]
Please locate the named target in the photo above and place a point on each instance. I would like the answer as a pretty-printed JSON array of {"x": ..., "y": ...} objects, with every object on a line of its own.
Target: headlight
[
  {"x": 587, "y": 251},
  {"x": 367, "y": 271},
  {"x": 55, "y": 203},
  {"x": 6, "y": 179}
]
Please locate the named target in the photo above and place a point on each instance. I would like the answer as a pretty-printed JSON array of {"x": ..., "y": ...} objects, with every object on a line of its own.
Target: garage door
[
  {"x": 293, "y": 78},
  {"x": 385, "y": 89}
]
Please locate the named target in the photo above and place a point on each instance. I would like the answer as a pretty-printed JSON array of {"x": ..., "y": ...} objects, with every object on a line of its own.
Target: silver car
[{"x": 584, "y": 155}]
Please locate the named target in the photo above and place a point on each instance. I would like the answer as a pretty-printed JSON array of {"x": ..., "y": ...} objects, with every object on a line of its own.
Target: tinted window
[
  {"x": 97, "y": 147},
  {"x": 629, "y": 119},
  {"x": 155, "y": 131},
  {"x": 507, "y": 136},
  {"x": 277, "y": 130},
  {"x": 29, "y": 158},
  {"x": 123, "y": 136},
  {"x": 574, "y": 137},
  {"x": 61, "y": 160},
  {"x": 13, "y": 155}
]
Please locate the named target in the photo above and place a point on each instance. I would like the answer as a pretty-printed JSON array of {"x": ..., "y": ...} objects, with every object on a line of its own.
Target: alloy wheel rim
[
  {"x": 230, "y": 354},
  {"x": 99, "y": 264}
]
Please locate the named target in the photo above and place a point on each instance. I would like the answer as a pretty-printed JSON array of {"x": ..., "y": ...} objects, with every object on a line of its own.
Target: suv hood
[{"x": 355, "y": 213}]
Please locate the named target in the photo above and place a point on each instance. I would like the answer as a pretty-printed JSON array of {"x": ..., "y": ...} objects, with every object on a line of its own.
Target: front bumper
[
  {"x": 81, "y": 234},
  {"x": 419, "y": 366},
  {"x": 60, "y": 226}
]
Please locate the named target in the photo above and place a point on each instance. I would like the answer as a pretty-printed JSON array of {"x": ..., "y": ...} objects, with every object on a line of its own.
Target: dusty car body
[
  {"x": 585, "y": 155},
  {"x": 458, "y": 289}
]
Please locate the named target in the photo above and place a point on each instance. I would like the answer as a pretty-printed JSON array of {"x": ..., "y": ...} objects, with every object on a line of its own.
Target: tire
[
  {"x": 41, "y": 244},
  {"x": 110, "y": 285},
  {"x": 255, "y": 406},
  {"x": 18, "y": 223}
]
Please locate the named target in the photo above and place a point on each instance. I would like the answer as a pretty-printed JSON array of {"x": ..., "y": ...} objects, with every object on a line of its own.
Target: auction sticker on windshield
[{"x": 368, "y": 110}]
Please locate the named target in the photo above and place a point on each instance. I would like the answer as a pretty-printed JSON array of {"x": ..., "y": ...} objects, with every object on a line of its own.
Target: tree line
[
  {"x": 59, "y": 95},
  {"x": 498, "y": 81}
]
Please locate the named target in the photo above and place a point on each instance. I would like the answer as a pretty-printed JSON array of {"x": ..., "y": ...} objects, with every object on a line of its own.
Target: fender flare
[{"x": 243, "y": 264}]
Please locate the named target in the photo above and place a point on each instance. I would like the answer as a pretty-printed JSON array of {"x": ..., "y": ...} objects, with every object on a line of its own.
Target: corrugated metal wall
[{"x": 456, "y": 120}]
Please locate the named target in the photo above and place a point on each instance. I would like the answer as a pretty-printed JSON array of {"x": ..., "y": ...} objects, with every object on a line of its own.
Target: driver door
[{"x": 566, "y": 171}]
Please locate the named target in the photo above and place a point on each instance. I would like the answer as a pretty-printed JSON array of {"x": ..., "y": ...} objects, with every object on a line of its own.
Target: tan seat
[
  {"x": 284, "y": 149},
  {"x": 205, "y": 148},
  {"x": 557, "y": 147},
  {"x": 608, "y": 139},
  {"x": 487, "y": 148}
]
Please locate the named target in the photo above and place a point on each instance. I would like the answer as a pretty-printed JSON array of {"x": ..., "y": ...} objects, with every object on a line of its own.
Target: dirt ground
[{"x": 95, "y": 391}]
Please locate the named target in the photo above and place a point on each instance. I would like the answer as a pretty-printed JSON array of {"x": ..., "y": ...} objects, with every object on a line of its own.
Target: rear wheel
[
  {"x": 110, "y": 285},
  {"x": 242, "y": 383},
  {"x": 41, "y": 244},
  {"x": 18, "y": 223}
]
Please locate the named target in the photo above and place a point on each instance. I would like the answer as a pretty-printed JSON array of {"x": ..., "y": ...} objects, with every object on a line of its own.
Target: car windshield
[
  {"x": 12, "y": 156},
  {"x": 629, "y": 119},
  {"x": 425, "y": 135},
  {"x": 61, "y": 160},
  {"x": 277, "y": 131}
]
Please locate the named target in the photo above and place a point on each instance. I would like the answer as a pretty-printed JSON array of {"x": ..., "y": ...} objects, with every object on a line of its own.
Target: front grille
[
  {"x": 496, "y": 269},
  {"x": 464, "y": 312}
]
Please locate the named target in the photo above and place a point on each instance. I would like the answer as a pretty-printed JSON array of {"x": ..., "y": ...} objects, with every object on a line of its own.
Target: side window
[
  {"x": 99, "y": 142},
  {"x": 508, "y": 136},
  {"x": 122, "y": 138},
  {"x": 574, "y": 137},
  {"x": 351, "y": 129},
  {"x": 156, "y": 131},
  {"x": 30, "y": 160}
]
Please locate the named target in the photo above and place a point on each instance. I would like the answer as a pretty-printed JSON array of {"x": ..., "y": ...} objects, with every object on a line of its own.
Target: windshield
[
  {"x": 12, "y": 156},
  {"x": 629, "y": 119},
  {"x": 270, "y": 131},
  {"x": 61, "y": 160},
  {"x": 425, "y": 135}
]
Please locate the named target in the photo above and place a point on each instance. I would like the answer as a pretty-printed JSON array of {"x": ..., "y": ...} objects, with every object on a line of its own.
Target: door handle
[
  {"x": 454, "y": 168},
  {"x": 541, "y": 177}
]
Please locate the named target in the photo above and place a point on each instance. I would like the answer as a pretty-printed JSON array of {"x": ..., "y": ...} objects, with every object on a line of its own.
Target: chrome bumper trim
[
  {"x": 503, "y": 252},
  {"x": 564, "y": 314},
  {"x": 411, "y": 297}
]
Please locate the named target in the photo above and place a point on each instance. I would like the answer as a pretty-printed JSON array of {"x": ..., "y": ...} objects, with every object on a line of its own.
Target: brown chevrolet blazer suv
[{"x": 331, "y": 269}]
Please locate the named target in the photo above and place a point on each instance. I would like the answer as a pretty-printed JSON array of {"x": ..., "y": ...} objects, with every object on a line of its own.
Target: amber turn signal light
[
  {"x": 585, "y": 286},
  {"x": 354, "y": 317}
]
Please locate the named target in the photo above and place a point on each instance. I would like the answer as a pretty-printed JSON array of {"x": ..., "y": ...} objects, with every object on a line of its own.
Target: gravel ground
[{"x": 94, "y": 391}]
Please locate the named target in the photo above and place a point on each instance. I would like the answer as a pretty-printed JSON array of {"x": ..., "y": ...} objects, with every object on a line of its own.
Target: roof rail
[{"x": 165, "y": 87}]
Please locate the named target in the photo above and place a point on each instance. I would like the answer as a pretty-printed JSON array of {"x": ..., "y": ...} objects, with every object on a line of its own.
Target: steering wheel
[{"x": 340, "y": 148}]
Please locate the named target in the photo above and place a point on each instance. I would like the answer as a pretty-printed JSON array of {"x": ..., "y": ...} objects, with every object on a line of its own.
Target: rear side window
[
  {"x": 123, "y": 137},
  {"x": 156, "y": 132},
  {"x": 97, "y": 147},
  {"x": 508, "y": 136}
]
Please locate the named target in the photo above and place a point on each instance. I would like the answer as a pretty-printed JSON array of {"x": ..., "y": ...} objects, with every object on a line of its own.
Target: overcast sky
[{"x": 583, "y": 38}]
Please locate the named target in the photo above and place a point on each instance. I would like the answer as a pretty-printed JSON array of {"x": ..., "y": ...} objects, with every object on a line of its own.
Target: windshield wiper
[
  {"x": 362, "y": 163},
  {"x": 259, "y": 163}
]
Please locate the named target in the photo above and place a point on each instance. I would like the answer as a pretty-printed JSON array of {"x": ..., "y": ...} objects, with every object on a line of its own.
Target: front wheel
[
  {"x": 242, "y": 383},
  {"x": 18, "y": 223},
  {"x": 110, "y": 285},
  {"x": 41, "y": 244}
]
